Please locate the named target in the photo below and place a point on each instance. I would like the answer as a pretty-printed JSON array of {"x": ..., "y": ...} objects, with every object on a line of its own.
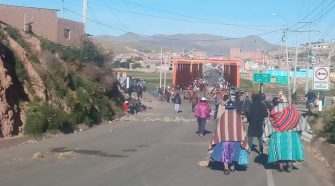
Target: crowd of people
[
  {"x": 269, "y": 119},
  {"x": 131, "y": 104},
  {"x": 279, "y": 122}
]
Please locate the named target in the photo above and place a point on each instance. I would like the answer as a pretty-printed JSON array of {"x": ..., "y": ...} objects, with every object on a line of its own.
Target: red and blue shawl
[{"x": 286, "y": 119}]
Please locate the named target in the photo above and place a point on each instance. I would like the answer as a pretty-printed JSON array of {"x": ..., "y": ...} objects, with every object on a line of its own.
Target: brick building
[{"x": 43, "y": 22}]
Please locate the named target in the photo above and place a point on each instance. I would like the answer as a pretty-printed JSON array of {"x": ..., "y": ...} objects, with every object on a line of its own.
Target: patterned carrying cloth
[
  {"x": 229, "y": 128},
  {"x": 286, "y": 119}
]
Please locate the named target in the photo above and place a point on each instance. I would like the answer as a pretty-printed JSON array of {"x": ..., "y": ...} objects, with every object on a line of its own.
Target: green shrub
[
  {"x": 88, "y": 102},
  {"x": 41, "y": 117},
  {"x": 328, "y": 118},
  {"x": 15, "y": 34},
  {"x": 88, "y": 52},
  {"x": 21, "y": 72},
  {"x": 33, "y": 58},
  {"x": 91, "y": 53}
]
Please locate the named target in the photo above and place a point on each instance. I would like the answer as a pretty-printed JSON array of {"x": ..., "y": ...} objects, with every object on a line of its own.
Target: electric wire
[
  {"x": 132, "y": 16},
  {"x": 198, "y": 18},
  {"x": 114, "y": 14},
  {"x": 166, "y": 38},
  {"x": 187, "y": 20}
]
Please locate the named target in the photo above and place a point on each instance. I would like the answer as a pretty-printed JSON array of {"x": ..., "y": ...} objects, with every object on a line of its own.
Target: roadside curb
[{"x": 322, "y": 151}]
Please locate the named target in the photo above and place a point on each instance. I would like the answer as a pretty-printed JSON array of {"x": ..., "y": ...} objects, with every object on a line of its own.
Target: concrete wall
[
  {"x": 44, "y": 20},
  {"x": 76, "y": 32}
]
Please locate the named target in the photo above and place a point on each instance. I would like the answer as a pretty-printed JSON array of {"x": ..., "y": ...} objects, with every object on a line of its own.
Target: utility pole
[
  {"x": 165, "y": 73},
  {"x": 295, "y": 68},
  {"x": 288, "y": 66},
  {"x": 308, "y": 57},
  {"x": 63, "y": 8},
  {"x": 85, "y": 14},
  {"x": 263, "y": 58},
  {"x": 160, "y": 73},
  {"x": 308, "y": 53}
]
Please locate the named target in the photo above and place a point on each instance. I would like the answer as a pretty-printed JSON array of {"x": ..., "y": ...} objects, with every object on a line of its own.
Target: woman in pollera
[{"x": 229, "y": 145}]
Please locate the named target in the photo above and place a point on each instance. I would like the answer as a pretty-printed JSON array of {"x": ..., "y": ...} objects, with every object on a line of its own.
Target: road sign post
[
  {"x": 261, "y": 78},
  {"x": 281, "y": 80},
  {"x": 321, "y": 78}
]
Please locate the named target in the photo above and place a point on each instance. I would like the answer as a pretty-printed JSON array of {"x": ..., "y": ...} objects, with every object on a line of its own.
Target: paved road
[{"x": 147, "y": 150}]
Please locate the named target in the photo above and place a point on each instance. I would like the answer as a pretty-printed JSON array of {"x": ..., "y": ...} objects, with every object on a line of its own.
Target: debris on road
[
  {"x": 64, "y": 155},
  {"x": 38, "y": 155},
  {"x": 203, "y": 163}
]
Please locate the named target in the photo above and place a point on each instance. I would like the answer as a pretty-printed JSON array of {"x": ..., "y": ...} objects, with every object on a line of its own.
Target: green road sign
[
  {"x": 281, "y": 80},
  {"x": 262, "y": 78}
]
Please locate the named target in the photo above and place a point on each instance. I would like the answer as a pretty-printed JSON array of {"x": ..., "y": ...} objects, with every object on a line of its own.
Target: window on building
[{"x": 67, "y": 33}]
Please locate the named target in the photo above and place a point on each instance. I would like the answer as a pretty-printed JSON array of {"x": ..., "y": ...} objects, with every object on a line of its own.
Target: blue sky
[{"x": 231, "y": 18}]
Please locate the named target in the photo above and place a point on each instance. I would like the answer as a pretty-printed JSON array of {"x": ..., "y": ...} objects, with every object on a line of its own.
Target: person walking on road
[
  {"x": 194, "y": 100},
  {"x": 256, "y": 115},
  {"x": 217, "y": 101},
  {"x": 284, "y": 127},
  {"x": 177, "y": 101},
  {"x": 139, "y": 91},
  {"x": 229, "y": 145},
  {"x": 246, "y": 106},
  {"x": 202, "y": 112}
]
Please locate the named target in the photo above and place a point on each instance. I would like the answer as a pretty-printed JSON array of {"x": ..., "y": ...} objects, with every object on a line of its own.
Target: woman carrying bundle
[
  {"x": 229, "y": 145},
  {"x": 284, "y": 128}
]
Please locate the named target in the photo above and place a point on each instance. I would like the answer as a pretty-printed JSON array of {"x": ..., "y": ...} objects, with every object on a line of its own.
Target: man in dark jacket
[
  {"x": 177, "y": 101},
  {"x": 256, "y": 115}
]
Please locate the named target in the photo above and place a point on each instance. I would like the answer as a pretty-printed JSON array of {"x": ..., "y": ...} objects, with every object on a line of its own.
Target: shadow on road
[
  {"x": 263, "y": 160},
  {"x": 89, "y": 152},
  {"x": 218, "y": 166},
  {"x": 206, "y": 132}
]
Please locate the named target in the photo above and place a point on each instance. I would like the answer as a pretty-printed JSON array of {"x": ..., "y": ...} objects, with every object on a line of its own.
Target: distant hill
[{"x": 213, "y": 44}]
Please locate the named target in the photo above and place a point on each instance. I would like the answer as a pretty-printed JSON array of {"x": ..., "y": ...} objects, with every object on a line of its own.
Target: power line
[
  {"x": 166, "y": 38},
  {"x": 198, "y": 18},
  {"x": 307, "y": 15},
  {"x": 179, "y": 19},
  {"x": 321, "y": 14},
  {"x": 300, "y": 9},
  {"x": 311, "y": 12},
  {"x": 151, "y": 15},
  {"x": 115, "y": 15},
  {"x": 132, "y": 16},
  {"x": 324, "y": 14},
  {"x": 95, "y": 17},
  {"x": 329, "y": 29}
]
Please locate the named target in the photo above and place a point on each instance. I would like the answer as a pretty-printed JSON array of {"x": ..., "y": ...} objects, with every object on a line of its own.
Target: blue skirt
[
  {"x": 226, "y": 152},
  {"x": 285, "y": 146}
]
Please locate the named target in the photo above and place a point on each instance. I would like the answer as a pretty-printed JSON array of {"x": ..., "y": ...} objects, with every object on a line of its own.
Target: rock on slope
[{"x": 10, "y": 92}]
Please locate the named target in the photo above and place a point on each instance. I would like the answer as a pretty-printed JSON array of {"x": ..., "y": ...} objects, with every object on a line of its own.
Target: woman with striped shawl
[
  {"x": 228, "y": 144},
  {"x": 284, "y": 127}
]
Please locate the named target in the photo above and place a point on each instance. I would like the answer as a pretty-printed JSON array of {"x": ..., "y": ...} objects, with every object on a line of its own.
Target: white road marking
[{"x": 269, "y": 178}]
